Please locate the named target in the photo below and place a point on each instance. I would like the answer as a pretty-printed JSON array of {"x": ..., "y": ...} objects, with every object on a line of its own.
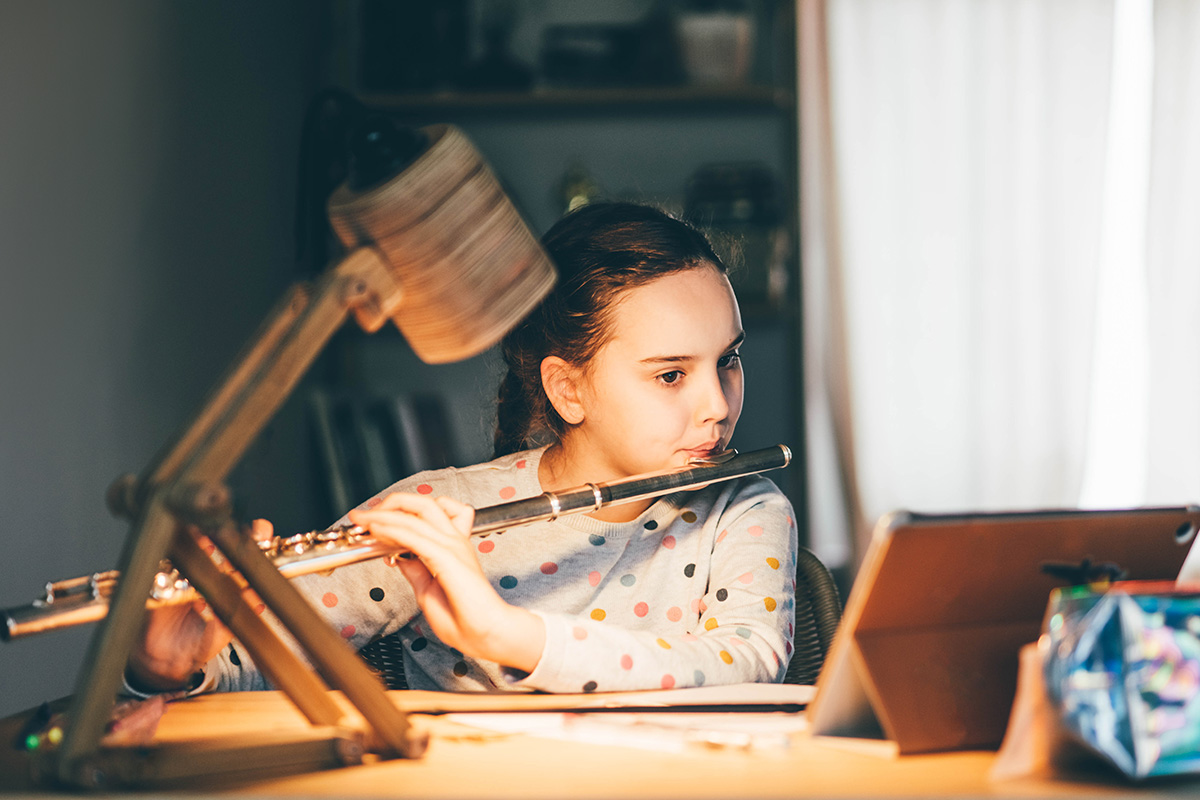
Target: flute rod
[{"x": 85, "y": 599}]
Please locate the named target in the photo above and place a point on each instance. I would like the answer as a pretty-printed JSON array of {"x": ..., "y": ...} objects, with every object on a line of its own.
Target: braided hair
[{"x": 601, "y": 250}]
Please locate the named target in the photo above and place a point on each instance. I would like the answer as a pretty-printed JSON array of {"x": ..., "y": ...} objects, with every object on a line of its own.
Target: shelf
[{"x": 651, "y": 98}]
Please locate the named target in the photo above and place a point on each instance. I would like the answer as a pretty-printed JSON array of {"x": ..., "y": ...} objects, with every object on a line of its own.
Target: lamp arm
[
  {"x": 203, "y": 454},
  {"x": 264, "y": 374}
]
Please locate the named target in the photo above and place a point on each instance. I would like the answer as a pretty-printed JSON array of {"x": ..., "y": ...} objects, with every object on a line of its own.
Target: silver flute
[{"x": 85, "y": 599}]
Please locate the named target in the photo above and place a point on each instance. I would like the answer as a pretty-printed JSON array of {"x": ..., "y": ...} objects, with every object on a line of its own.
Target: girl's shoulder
[
  {"x": 508, "y": 477},
  {"x": 751, "y": 494}
]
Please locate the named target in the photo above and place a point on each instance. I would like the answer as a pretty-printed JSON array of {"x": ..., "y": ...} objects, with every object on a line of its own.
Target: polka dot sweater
[{"x": 697, "y": 590}]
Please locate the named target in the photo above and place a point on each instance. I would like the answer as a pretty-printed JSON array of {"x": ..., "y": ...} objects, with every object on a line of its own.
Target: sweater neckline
[{"x": 652, "y": 518}]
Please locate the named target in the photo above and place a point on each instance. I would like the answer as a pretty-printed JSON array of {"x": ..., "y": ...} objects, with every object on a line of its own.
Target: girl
[{"x": 630, "y": 366}]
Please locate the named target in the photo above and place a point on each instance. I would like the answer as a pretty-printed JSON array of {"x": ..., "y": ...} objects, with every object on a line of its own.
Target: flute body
[{"x": 85, "y": 599}]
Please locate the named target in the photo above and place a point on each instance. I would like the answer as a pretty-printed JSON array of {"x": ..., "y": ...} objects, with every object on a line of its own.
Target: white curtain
[
  {"x": 990, "y": 201},
  {"x": 1173, "y": 258}
]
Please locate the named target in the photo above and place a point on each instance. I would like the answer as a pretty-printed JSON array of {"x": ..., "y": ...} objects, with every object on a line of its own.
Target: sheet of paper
[
  {"x": 743, "y": 694},
  {"x": 658, "y": 730}
]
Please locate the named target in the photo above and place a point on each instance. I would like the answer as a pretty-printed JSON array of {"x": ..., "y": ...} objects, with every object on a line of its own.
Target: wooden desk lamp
[{"x": 440, "y": 251}]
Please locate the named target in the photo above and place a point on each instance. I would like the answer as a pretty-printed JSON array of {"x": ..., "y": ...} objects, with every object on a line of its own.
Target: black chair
[
  {"x": 386, "y": 657},
  {"x": 818, "y": 612}
]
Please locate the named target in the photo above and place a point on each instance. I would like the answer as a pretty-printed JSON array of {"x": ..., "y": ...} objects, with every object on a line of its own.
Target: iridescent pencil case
[{"x": 1122, "y": 672}]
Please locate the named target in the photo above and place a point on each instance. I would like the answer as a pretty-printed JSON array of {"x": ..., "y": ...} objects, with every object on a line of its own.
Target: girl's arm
[{"x": 459, "y": 604}]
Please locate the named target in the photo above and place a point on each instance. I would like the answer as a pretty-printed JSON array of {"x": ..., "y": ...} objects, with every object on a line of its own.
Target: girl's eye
[
  {"x": 671, "y": 377},
  {"x": 729, "y": 359}
]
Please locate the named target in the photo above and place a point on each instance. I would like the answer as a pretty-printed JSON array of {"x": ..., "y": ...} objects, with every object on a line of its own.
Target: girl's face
[{"x": 667, "y": 386}]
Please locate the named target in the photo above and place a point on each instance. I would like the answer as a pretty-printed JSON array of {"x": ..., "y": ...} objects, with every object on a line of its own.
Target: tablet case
[{"x": 926, "y": 654}]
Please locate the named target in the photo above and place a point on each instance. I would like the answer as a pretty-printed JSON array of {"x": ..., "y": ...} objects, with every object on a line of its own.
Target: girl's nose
[{"x": 713, "y": 405}]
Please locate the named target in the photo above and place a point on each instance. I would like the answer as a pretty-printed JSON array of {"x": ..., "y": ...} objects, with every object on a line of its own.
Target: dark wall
[{"x": 147, "y": 169}]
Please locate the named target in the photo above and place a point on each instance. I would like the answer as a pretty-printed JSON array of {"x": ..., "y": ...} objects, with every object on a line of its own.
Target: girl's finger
[
  {"x": 417, "y": 574},
  {"x": 391, "y": 523},
  {"x": 461, "y": 514},
  {"x": 261, "y": 530},
  {"x": 418, "y": 504}
]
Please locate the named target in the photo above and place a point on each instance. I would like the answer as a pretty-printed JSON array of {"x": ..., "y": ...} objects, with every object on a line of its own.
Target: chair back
[{"x": 818, "y": 612}]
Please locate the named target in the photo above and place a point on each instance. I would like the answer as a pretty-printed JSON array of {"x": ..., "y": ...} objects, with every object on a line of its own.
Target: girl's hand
[
  {"x": 459, "y": 603},
  {"x": 178, "y": 640}
]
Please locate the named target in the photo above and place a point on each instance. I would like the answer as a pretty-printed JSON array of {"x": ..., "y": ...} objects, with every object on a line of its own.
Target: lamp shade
[{"x": 469, "y": 268}]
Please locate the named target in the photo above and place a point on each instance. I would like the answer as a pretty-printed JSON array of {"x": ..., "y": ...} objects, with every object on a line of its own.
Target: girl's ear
[{"x": 561, "y": 380}]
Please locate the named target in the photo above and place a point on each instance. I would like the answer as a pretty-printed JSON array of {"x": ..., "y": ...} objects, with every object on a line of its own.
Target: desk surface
[{"x": 465, "y": 762}]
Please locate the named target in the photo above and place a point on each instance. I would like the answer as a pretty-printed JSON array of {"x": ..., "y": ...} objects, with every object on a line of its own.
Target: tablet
[{"x": 926, "y": 653}]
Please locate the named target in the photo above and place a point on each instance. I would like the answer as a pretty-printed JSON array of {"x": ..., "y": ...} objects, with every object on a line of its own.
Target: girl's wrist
[{"x": 517, "y": 640}]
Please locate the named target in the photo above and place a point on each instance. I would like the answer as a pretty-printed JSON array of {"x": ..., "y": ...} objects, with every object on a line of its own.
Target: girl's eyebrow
[{"x": 737, "y": 340}]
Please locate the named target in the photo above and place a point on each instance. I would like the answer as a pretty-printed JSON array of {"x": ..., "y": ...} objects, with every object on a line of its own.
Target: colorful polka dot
[
  {"x": 549, "y": 568},
  {"x": 596, "y": 539},
  {"x": 508, "y": 492},
  {"x": 696, "y": 605},
  {"x": 641, "y": 609},
  {"x": 743, "y": 632},
  {"x": 348, "y": 631},
  {"x": 590, "y": 686},
  {"x": 521, "y": 464},
  {"x": 722, "y": 594},
  {"x": 628, "y": 580},
  {"x": 787, "y": 648},
  {"x": 376, "y": 594},
  {"x": 651, "y": 525},
  {"x": 747, "y": 577},
  {"x": 710, "y": 623},
  {"x": 598, "y": 614},
  {"x": 726, "y": 657},
  {"x": 755, "y": 530},
  {"x": 690, "y": 637},
  {"x": 689, "y": 571},
  {"x": 425, "y": 488},
  {"x": 668, "y": 542},
  {"x": 594, "y": 578},
  {"x": 461, "y": 668},
  {"x": 698, "y": 678},
  {"x": 508, "y": 582},
  {"x": 579, "y": 632},
  {"x": 674, "y": 613},
  {"x": 769, "y": 602},
  {"x": 773, "y": 563},
  {"x": 626, "y": 662},
  {"x": 329, "y": 599},
  {"x": 419, "y": 644},
  {"x": 721, "y": 536},
  {"x": 486, "y": 546},
  {"x": 688, "y": 516},
  {"x": 374, "y": 501},
  {"x": 668, "y": 681}
]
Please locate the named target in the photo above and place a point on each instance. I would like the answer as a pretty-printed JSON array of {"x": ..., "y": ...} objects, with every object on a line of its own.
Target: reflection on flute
[{"x": 85, "y": 599}]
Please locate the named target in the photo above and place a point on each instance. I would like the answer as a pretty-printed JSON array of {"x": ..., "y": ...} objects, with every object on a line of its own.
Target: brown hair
[{"x": 600, "y": 250}]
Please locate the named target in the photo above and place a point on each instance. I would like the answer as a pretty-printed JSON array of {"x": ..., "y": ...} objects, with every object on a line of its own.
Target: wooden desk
[{"x": 464, "y": 762}]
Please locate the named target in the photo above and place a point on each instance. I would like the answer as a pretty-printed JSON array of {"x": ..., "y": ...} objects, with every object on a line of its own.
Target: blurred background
[{"x": 962, "y": 236}]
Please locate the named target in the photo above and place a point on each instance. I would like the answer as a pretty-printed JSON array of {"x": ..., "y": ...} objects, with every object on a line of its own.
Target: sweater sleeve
[
  {"x": 363, "y": 602},
  {"x": 743, "y": 631}
]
